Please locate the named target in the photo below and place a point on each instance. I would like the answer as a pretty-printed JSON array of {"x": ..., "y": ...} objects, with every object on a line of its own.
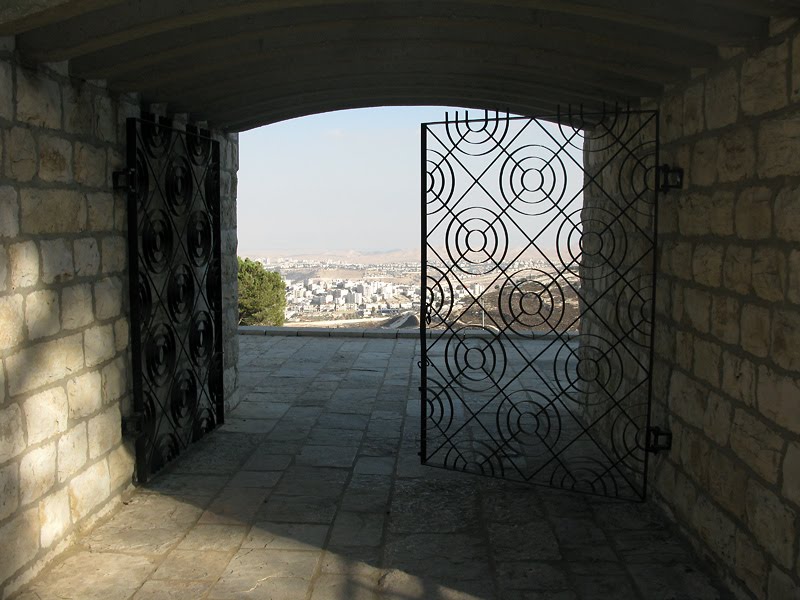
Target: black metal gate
[
  {"x": 173, "y": 186},
  {"x": 538, "y": 240}
]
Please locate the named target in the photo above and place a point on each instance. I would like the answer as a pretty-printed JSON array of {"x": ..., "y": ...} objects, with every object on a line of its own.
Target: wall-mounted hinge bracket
[
  {"x": 133, "y": 424},
  {"x": 669, "y": 178},
  {"x": 658, "y": 439},
  {"x": 125, "y": 180}
]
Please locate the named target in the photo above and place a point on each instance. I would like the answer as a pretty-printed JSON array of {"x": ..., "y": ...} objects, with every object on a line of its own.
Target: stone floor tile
[
  {"x": 176, "y": 484},
  {"x": 203, "y": 565},
  {"x": 254, "y": 426},
  {"x": 267, "y": 574},
  {"x": 531, "y": 576},
  {"x": 368, "y": 465},
  {"x": 353, "y": 561},
  {"x": 172, "y": 590},
  {"x": 303, "y": 480},
  {"x": 345, "y": 587},
  {"x": 259, "y": 408},
  {"x": 343, "y": 421},
  {"x": 421, "y": 505},
  {"x": 214, "y": 537},
  {"x": 327, "y": 456},
  {"x": 298, "y": 509},
  {"x": 440, "y": 557},
  {"x": 154, "y": 541},
  {"x": 357, "y": 529},
  {"x": 335, "y": 437},
  {"x": 265, "y": 460},
  {"x": 256, "y": 479},
  {"x": 235, "y": 506},
  {"x": 286, "y": 536}
]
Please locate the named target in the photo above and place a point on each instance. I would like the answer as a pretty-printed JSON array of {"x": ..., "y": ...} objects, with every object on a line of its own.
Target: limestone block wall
[
  {"x": 64, "y": 328},
  {"x": 727, "y": 377}
]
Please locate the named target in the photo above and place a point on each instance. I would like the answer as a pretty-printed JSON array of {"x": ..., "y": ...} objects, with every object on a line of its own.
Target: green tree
[{"x": 262, "y": 295}]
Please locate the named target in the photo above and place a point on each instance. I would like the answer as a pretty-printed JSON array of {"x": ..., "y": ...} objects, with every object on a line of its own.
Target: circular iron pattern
[
  {"x": 211, "y": 183},
  {"x": 532, "y": 420},
  {"x": 440, "y": 181},
  {"x": 183, "y": 397},
  {"x": 638, "y": 179},
  {"x": 533, "y": 180},
  {"x": 205, "y": 420},
  {"x": 531, "y": 300},
  {"x": 477, "y": 137},
  {"x": 199, "y": 146},
  {"x": 476, "y": 363},
  {"x": 438, "y": 297},
  {"x": 142, "y": 178},
  {"x": 157, "y": 242},
  {"x": 181, "y": 293},
  {"x": 634, "y": 310},
  {"x": 474, "y": 457},
  {"x": 588, "y": 370},
  {"x": 201, "y": 338},
  {"x": 156, "y": 138},
  {"x": 166, "y": 449},
  {"x": 628, "y": 435},
  {"x": 160, "y": 354},
  {"x": 586, "y": 475},
  {"x": 477, "y": 240},
  {"x": 145, "y": 299},
  {"x": 179, "y": 185},
  {"x": 592, "y": 244},
  {"x": 198, "y": 238},
  {"x": 595, "y": 132},
  {"x": 439, "y": 407}
]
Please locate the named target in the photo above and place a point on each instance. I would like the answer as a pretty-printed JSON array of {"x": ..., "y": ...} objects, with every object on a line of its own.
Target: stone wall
[
  {"x": 727, "y": 378},
  {"x": 64, "y": 330}
]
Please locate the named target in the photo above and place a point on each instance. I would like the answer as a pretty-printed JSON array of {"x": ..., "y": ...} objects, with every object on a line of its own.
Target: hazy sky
[{"x": 346, "y": 180}]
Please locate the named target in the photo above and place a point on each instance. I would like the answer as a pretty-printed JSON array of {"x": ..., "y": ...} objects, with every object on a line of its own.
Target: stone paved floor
[{"x": 312, "y": 491}]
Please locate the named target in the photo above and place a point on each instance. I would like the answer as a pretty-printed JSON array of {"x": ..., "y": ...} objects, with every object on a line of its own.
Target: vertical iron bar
[
  {"x": 423, "y": 385},
  {"x": 216, "y": 220}
]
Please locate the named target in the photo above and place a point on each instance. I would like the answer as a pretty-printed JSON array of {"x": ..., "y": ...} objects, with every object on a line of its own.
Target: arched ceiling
[{"x": 243, "y": 63}]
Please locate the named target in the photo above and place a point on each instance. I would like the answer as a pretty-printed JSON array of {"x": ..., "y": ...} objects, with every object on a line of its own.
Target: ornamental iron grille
[
  {"x": 176, "y": 294},
  {"x": 538, "y": 239}
]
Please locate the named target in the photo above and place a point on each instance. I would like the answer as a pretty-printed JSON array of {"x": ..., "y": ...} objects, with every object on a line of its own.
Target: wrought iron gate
[
  {"x": 538, "y": 240},
  {"x": 173, "y": 184}
]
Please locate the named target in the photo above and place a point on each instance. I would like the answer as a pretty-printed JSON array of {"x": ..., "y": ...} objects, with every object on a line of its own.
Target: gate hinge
[
  {"x": 658, "y": 439},
  {"x": 125, "y": 180},
  {"x": 133, "y": 424},
  {"x": 669, "y": 178}
]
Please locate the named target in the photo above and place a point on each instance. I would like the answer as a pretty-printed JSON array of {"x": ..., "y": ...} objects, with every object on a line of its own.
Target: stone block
[
  {"x": 717, "y": 419},
  {"x": 739, "y": 378},
  {"x": 791, "y": 473},
  {"x": 115, "y": 380},
  {"x": 84, "y": 394},
  {"x": 23, "y": 264},
  {"x": 9, "y": 212},
  {"x": 88, "y": 490},
  {"x": 681, "y": 260},
  {"x": 714, "y": 528},
  {"x": 21, "y": 163},
  {"x": 7, "y": 99},
  {"x": 723, "y": 203},
  {"x": 12, "y": 433},
  {"x": 693, "y": 121},
  {"x": 55, "y": 159},
  {"x": 755, "y": 327},
  {"x": 779, "y": 146},
  {"x": 687, "y": 398},
  {"x": 114, "y": 254},
  {"x": 108, "y": 297},
  {"x": 78, "y": 107},
  {"x": 3, "y": 269},
  {"x": 707, "y": 359},
  {"x": 72, "y": 452},
  {"x": 105, "y": 431},
  {"x": 87, "y": 257},
  {"x": 727, "y": 482},
  {"x": 20, "y": 542},
  {"x": 54, "y": 516},
  {"x": 52, "y": 211},
  {"x": 684, "y": 349},
  {"x": 57, "y": 263},
  {"x": 694, "y": 214},
  {"x": 9, "y": 490},
  {"x": 44, "y": 363},
  {"x": 38, "y": 99},
  {"x": 99, "y": 344},
  {"x": 120, "y": 214},
  {"x": 772, "y": 523},
  {"x": 769, "y": 274},
  {"x": 672, "y": 117},
  {"x": 725, "y": 315},
  {"x": 697, "y": 309},
  {"x": 695, "y": 456},
  {"x": 778, "y": 398},
  {"x": 736, "y": 155},
  {"x": 758, "y": 445},
  {"x": 90, "y": 165},
  {"x": 37, "y": 473},
  {"x": 754, "y": 214},
  {"x": 105, "y": 119},
  {"x": 785, "y": 347},
  {"x": 685, "y": 496},
  {"x": 704, "y": 161},
  {"x": 120, "y": 467},
  {"x": 42, "y": 314},
  {"x": 787, "y": 214},
  {"x": 781, "y": 587},
  {"x": 46, "y": 414},
  {"x": 764, "y": 82},
  {"x": 76, "y": 306},
  {"x": 121, "y": 334},
  {"x": 12, "y": 321},
  {"x": 751, "y": 564},
  {"x": 101, "y": 211},
  {"x": 722, "y": 99},
  {"x": 737, "y": 270},
  {"x": 793, "y": 291},
  {"x": 707, "y": 264}
]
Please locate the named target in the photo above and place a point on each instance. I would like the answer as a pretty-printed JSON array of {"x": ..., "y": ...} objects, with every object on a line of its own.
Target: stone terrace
[{"x": 312, "y": 490}]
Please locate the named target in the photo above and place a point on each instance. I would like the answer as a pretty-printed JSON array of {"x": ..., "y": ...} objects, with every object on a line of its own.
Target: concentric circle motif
[
  {"x": 628, "y": 433},
  {"x": 440, "y": 181},
  {"x": 474, "y": 457},
  {"x": 476, "y": 363},
  {"x": 638, "y": 178},
  {"x": 533, "y": 180},
  {"x": 591, "y": 245},
  {"x": 149, "y": 415},
  {"x": 438, "y": 297},
  {"x": 181, "y": 293},
  {"x": 634, "y": 310},
  {"x": 142, "y": 178},
  {"x": 204, "y": 422},
  {"x": 199, "y": 146},
  {"x": 531, "y": 300},
  {"x": 166, "y": 449},
  {"x": 157, "y": 242},
  {"x": 588, "y": 370},
  {"x": 595, "y": 132},
  {"x": 198, "y": 238},
  {"x": 145, "y": 298},
  {"x": 439, "y": 407},
  {"x": 477, "y": 137},
  {"x": 156, "y": 138},
  {"x": 477, "y": 241},
  {"x": 212, "y": 187},
  {"x": 183, "y": 397},
  {"x": 201, "y": 338},
  {"x": 179, "y": 185},
  {"x": 531, "y": 419},
  {"x": 587, "y": 475},
  {"x": 160, "y": 354}
]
